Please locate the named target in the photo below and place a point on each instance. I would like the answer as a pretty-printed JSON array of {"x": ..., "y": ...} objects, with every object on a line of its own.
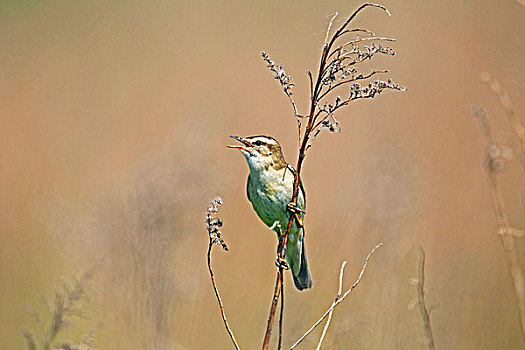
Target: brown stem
[
  {"x": 294, "y": 106},
  {"x": 221, "y": 307},
  {"x": 302, "y": 153},
  {"x": 281, "y": 316},
  {"x": 273, "y": 306}
]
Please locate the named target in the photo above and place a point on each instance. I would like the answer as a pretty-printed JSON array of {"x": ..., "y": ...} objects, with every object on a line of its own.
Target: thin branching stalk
[
  {"x": 331, "y": 71},
  {"x": 494, "y": 165},
  {"x": 327, "y": 324},
  {"x": 337, "y": 301},
  {"x": 425, "y": 312},
  {"x": 212, "y": 226},
  {"x": 356, "y": 78},
  {"x": 284, "y": 79},
  {"x": 506, "y": 103},
  {"x": 219, "y": 300},
  {"x": 509, "y": 245}
]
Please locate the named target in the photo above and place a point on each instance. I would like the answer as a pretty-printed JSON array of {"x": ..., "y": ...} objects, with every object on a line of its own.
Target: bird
[{"x": 270, "y": 189}]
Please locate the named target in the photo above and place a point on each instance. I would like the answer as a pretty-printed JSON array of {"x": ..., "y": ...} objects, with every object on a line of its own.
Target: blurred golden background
[{"x": 115, "y": 117}]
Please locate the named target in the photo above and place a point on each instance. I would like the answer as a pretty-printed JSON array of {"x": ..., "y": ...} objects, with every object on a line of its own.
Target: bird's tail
[{"x": 303, "y": 280}]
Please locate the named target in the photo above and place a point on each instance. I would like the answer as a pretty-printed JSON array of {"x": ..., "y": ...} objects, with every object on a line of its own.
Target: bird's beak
[{"x": 242, "y": 140}]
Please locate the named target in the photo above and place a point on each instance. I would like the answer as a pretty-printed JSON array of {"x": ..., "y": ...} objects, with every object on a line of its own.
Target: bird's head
[{"x": 261, "y": 152}]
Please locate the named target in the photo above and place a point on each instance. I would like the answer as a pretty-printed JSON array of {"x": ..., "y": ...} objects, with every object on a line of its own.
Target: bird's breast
[{"x": 270, "y": 194}]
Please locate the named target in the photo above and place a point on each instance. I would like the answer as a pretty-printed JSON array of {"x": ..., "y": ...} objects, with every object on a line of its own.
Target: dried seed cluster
[
  {"x": 279, "y": 74},
  {"x": 213, "y": 223},
  {"x": 339, "y": 68}
]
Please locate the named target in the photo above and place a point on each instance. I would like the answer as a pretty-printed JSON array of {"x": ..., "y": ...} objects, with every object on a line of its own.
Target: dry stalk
[
  {"x": 212, "y": 225},
  {"x": 495, "y": 164},
  {"x": 337, "y": 68},
  {"x": 509, "y": 246},
  {"x": 327, "y": 324},
  {"x": 425, "y": 312},
  {"x": 337, "y": 300},
  {"x": 281, "y": 317},
  {"x": 515, "y": 123}
]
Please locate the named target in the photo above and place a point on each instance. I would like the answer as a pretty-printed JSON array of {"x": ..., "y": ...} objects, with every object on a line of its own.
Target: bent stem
[
  {"x": 325, "y": 329},
  {"x": 425, "y": 312},
  {"x": 337, "y": 301},
  {"x": 221, "y": 307},
  {"x": 212, "y": 226}
]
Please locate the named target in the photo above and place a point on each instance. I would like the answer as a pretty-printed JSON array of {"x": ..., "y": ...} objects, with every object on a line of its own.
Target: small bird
[{"x": 270, "y": 190}]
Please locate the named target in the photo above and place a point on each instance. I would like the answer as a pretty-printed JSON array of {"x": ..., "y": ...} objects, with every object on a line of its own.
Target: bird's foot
[
  {"x": 276, "y": 225},
  {"x": 295, "y": 209},
  {"x": 281, "y": 263}
]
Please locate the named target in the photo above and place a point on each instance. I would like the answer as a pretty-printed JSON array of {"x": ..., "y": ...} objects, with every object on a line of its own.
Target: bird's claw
[
  {"x": 281, "y": 263},
  {"x": 295, "y": 209}
]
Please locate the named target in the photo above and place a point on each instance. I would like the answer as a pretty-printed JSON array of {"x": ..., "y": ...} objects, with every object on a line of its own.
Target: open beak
[{"x": 241, "y": 140}]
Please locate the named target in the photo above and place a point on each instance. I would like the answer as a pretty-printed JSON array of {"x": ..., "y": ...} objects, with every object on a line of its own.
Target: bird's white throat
[{"x": 256, "y": 161}]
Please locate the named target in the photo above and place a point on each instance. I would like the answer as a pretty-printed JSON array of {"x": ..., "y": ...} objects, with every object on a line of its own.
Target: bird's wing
[
  {"x": 301, "y": 187},
  {"x": 248, "y": 188}
]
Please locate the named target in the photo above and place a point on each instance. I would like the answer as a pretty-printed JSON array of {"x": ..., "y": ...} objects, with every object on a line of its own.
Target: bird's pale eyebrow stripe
[{"x": 265, "y": 140}]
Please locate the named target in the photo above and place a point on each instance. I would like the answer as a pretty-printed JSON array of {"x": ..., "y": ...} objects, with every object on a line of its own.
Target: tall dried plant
[
  {"x": 342, "y": 52},
  {"x": 496, "y": 158},
  {"x": 339, "y": 81}
]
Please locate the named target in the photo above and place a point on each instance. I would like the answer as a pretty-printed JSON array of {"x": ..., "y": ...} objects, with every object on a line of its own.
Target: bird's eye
[{"x": 257, "y": 143}]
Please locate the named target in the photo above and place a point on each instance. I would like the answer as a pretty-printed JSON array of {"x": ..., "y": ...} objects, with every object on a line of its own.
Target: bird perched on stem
[{"x": 270, "y": 190}]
